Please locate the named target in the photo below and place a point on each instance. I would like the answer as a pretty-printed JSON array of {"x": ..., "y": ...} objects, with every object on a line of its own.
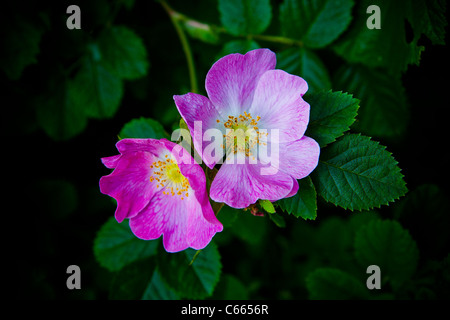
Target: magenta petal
[
  {"x": 239, "y": 185},
  {"x": 111, "y": 162},
  {"x": 132, "y": 145},
  {"x": 181, "y": 223},
  {"x": 129, "y": 184},
  {"x": 294, "y": 190},
  {"x": 200, "y": 115},
  {"x": 278, "y": 101},
  {"x": 231, "y": 81}
]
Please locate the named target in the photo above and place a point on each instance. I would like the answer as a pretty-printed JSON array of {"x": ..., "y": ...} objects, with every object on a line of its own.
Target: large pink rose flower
[{"x": 247, "y": 92}]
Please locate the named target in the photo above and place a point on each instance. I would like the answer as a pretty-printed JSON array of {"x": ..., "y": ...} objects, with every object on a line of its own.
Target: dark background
[{"x": 41, "y": 242}]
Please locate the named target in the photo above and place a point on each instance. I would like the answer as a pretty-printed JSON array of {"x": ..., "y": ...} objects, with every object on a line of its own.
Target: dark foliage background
[{"x": 53, "y": 208}]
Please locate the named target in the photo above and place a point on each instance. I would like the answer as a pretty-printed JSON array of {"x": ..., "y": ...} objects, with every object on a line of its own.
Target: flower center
[
  {"x": 169, "y": 178},
  {"x": 242, "y": 134}
]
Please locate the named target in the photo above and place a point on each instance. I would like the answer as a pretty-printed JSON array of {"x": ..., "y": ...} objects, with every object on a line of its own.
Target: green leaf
[
  {"x": 131, "y": 282},
  {"x": 334, "y": 284},
  {"x": 383, "y": 110},
  {"x": 115, "y": 246},
  {"x": 157, "y": 289},
  {"x": 387, "y": 47},
  {"x": 60, "y": 111},
  {"x": 306, "y": 64},
  {"x": 96, "y": 88},
  {"x": 230, "y": 288},
  {"x": 20, "y": 39},
  {"x": 315, "y": 23},
  {"x": 277, "y": 219},
  {"x": 304, "y": 203},
  {"x": 332, "y": 113},
  {"x": 357, "y": 173},
  {"x": 267, "y": 206},
  {"x": 242, "y": 17},
  {"x": 143, "y": 128},
  {"x": 123, "y": 53},
  {"x": 249, "y": 228},
  {"x": 192, "y": 279},
  {"x": 386, "y": 244}
]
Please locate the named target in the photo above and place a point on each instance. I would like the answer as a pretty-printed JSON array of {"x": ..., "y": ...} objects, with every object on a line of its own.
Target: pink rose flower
[
  {"x": 161, "y": 193},
  {"x": 247, "y": 92}
]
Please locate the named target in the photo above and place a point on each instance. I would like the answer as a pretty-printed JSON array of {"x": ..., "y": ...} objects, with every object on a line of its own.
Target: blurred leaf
[
  {"x": 386, "y": 244},
  {"x": 334, "y": 284},
  {"x": 315, "y": 23},
  {"x": 230, "y": 288},
  {"x": 249, "y": 228},
  {"x": 192, "y": 279},
  {"x": 20, "y": 38},
  {"x": 242, "y": 17},
  {"x": 306, "y": 64},
  {"x": 304, "y": 203},
  {"x": 237, "y": 46},
  {"x": 99, "y": 91},
  {"x": 383, "y": 111},
  {"x": 143, "y": 128},
  {"x": 267, "y": 206},
  {"x": 277, "y": 219},
  {"x": 58, "y": 198},
  {"x": 157, "y": 289},
  {"x": 123, "y": 53},
  {"x": 131, "y": 282},
  {"x": 115, "y": 246},
  {"x": 357, "y": 173},
  {"x": 332, "y": 113},
  {"x": 227, "y": 215},
  {"x": 388, "y": 47},
  {"x": 201, "y": 31},
  {"x": 60, "y": 110}
]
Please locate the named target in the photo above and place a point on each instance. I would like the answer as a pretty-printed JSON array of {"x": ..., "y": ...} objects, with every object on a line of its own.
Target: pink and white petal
[
  {"x": 201, "y": 116},
  {"x": 129, "y": 184},
  {"x": 278, "y": 101},
  {"x": 111, "y": 162},
  {"x": 299, "y": 158},
  {"x": 132, "y": 145},
  {"x": 180, "y": 222},
  {"x": 231, "y": 81},
  {"x": 239, "y": 185}
]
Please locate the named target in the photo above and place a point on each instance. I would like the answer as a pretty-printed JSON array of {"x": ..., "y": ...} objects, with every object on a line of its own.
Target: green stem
[{"x": 175, "y": 17}]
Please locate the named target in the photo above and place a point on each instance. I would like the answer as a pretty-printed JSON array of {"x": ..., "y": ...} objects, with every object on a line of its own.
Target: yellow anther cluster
[
  {"x": 169, "y": 178},
  {"x": 250, "y": 133}
]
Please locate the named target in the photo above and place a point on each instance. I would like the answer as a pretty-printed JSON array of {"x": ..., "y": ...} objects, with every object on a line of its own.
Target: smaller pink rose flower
[{"x": 161, "y": 193}]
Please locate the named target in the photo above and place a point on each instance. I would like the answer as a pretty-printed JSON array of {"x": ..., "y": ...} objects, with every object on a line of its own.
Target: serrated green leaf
[
  {"x": 331, "y": 114},
  {"x": 242, "y": 17},
  {"x": 192, "y": 279},
  {"x": 131, "y": 282},
  {"x": 123, "y": 53},
  {"x": 334, "y": 284},
  {"x": 143, "y": 128},
  {"x": 387, "y": 47},
  {"x": 306, "y": 64},
  {"x": 304, "y": 203},
  {"x": 386, "y": 244},
  {"x": 267, "y": 206},
  {"x": 383, "y": 110},
  {"x": 315, "y": 23},
  {"x": 98, "y": 90},
  {"x": 357, "y": 173},
  {"x": 115, "y": 246},
  {"x": 60, "y": 112}
]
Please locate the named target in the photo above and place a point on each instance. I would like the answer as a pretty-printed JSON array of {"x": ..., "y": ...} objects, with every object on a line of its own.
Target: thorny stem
[{"x": 174, "y": 17}]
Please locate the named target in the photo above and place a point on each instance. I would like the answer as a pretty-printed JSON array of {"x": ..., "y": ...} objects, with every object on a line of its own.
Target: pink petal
[
  {"x": 278, "y": 101},
  {"x": 111, "y": 162},
  {"x": 239, "y": 185},
  {"x": 299, "y": 158},
  {"x": 197, "y": 110},
  {"x": 231, "y": 81},
  {"x": 132, "y": 145},
  {"x": 129, "y": 184}
]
